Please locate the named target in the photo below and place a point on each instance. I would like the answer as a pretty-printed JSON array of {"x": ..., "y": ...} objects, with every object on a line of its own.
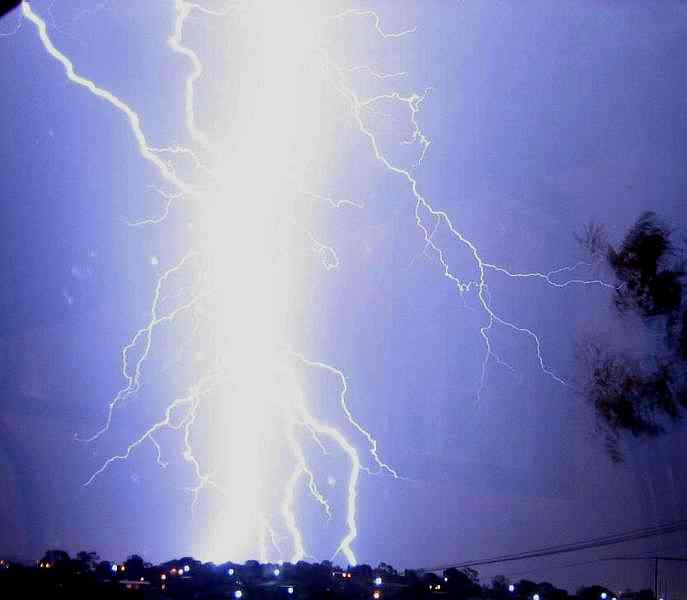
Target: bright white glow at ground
[{"x": 247, "y": 235}]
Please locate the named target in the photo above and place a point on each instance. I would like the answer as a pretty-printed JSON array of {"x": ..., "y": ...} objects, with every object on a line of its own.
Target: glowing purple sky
[{"x": 543, "y": 116}]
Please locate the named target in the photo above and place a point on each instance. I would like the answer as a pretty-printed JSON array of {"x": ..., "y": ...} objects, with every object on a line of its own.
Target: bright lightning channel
[{"x": 246, "y": 293}]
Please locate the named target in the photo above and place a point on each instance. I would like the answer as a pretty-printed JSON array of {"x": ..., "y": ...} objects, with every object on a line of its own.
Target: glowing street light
[
  {"x": 238, "y": 594},
  {"x": 376, "y": 595},
  {"x": 289, "y": 590},
  {"x": 230, "y": 571},
  {"x": 511, "y": 588},
  {"x": 604, "y": 595},
  {"x": 114, "y": 568},
  {"x": 276, "y": 572},
  {"x": 378, "y": 581},
  {"x": 163, "y": 577},
  {"x": 186, "y": 568},
  {"x": 535, "y": 597}
]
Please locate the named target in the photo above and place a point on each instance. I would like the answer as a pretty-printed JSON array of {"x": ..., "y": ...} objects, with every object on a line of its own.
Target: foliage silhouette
[
  {"x": 639, "y": 395},
  {"x": 643, "y": 265}
]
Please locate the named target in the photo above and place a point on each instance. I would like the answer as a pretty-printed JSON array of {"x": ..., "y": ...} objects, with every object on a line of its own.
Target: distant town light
[
  {"x": 114, "y": 568},
  {"x": 511, "y": 588},
  {"x": 276, "y": 572},
  {"x": 445, "y": 579},
  {"x": 535, "y": 597},
  {"x": 163, "y": 577},
  {"x": 604, "y": 595},
  {"x": 376, "y": 595},
  {"x": 438, "y": 587},
  {"x": 231, "y": 571},
  {"x": 378, "y": 581},
  {"x": 238, "y": 594},
  {"x": 289, "y": 590},
  {"x": 186, "y": 568}
]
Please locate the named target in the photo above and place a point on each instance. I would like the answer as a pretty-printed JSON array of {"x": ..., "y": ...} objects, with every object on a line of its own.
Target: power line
[
  {"x": 594, "y": 561},
  {"x": 619, "y": 538}
]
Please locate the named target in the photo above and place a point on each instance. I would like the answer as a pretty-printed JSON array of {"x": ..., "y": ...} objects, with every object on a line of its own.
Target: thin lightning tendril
[
  {"x": 374, "y": 73},
  {"x": 169, "y": 200},
  {"x": 134, "y": 120},
  {"x": 144, "y": 336},
  {"x": 441, "y": 217}
]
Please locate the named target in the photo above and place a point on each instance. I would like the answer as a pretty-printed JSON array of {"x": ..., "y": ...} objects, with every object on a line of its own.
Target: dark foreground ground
[{"x": 57, "y": 575}]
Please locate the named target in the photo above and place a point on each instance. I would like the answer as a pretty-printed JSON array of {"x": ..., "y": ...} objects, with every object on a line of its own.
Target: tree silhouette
[
  {"x": 593, "y": 592},
  {"x": 551, "y": 592},
  {"x": 499, "y": 588},
  {"x": 103, "y": 569},
  {"x": 463, "y": 583},
  {"x": 386, "y": 569},
  {"x": 640, "y": 395},
  {"x": 55, "y": 557},
  {"x": 594, "y": 240},
  {"x": 644, "y": 266},
  {"x": 682, "y": 337},
  {"x": 88, "y": 560},
  {"x": 525, "y": 589},
  {"x": 134, "y": 566}
]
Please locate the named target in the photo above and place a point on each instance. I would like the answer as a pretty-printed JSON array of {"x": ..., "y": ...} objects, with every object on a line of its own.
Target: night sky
[{"x": 543, "y": 116}]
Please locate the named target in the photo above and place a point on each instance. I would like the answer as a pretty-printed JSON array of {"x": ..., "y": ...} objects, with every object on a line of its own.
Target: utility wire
[
  {"x": 599, "y": 542},
  {"x": 594, "y": 561}
]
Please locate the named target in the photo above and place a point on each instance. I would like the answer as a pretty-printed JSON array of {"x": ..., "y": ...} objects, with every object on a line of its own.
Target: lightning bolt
[
  {"x": 437, "y": 218},
  {"x": 132, "y": 117},
  {"x": 271, "y": 357}
]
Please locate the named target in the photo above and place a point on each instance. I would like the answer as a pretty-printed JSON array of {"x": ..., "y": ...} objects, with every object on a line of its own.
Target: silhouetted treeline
[{"x": 57, "y": 575}]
